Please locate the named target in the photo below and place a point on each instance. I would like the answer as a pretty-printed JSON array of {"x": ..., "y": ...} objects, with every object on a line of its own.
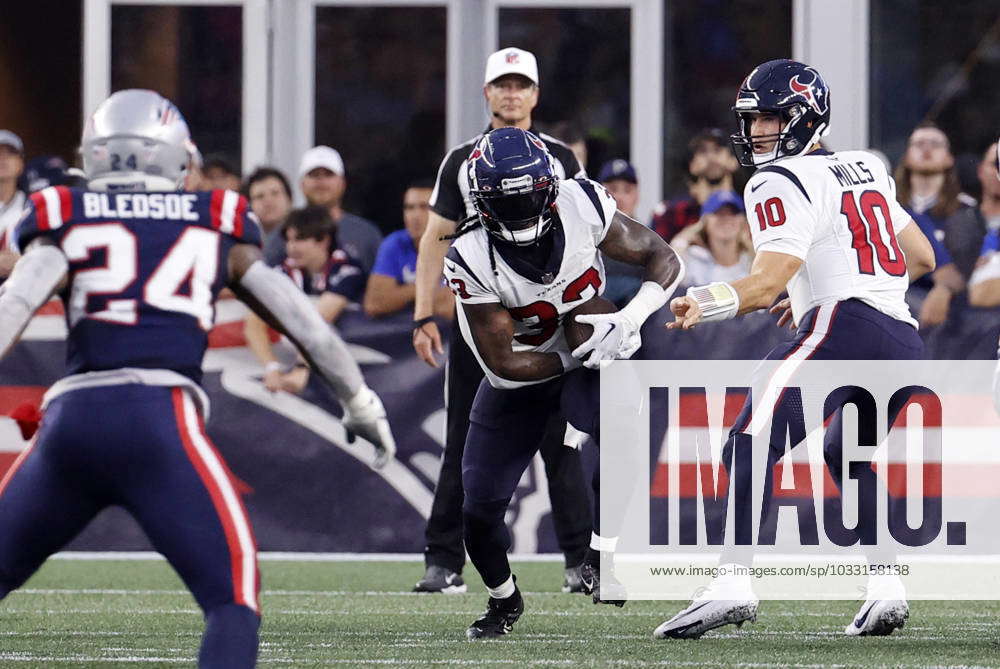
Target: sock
[
  {"x": 504, "y": 590},
  {"x": 605, "y": 544}
]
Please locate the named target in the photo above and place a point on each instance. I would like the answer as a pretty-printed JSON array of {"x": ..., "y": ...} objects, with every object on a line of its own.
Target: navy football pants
[
  {"x": 848, "y": 330},
  {"x": 145, "y": 449},
  {"x": 506, "y": 427}
]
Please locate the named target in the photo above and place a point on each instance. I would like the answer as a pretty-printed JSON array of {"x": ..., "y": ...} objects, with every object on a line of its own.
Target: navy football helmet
[
  {"x": 793, "y": 91},
  {"x": 513, "y": 185}
]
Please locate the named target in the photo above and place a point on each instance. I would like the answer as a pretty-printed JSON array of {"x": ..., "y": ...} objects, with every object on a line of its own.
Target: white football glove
[
  {"x": 615, "y": 337},
  {"x": 364, "y": 416}
]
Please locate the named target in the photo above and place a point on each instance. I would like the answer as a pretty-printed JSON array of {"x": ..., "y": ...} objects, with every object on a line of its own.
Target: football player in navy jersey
[
  {"x": 138, "y": 265},
  {"x": 526, "y": 259}
]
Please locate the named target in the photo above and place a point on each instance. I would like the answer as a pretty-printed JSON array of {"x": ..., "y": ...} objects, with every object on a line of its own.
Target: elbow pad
[{"x": 317, "y": 340}]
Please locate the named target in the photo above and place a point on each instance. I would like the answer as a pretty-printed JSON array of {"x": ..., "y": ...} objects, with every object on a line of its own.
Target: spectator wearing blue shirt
[
  {"x": 321, "y": 270},
  {"x": 391, "y": 283}
]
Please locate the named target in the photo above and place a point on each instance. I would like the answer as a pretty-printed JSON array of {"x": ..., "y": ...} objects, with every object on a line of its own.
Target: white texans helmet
[{"x": 136, "y": 140}]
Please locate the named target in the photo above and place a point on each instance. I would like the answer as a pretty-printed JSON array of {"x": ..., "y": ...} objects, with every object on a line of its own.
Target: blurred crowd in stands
[{"x": 343, "y": 260}]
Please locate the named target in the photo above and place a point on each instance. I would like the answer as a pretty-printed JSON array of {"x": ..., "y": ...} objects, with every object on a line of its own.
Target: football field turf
[{"x": 99, "y": 613}]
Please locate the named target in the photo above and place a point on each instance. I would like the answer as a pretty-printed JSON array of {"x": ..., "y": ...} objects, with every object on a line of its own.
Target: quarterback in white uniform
[
  {"x": 526, "y": 259},
  {"x": 826, "y": 228}
]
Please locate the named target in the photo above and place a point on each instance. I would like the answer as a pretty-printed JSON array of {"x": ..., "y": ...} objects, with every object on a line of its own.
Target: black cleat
[
  {"x": 440, "y": 579},
  {"x": 499, "y": 618},
  {"x": 609, "y": 592},
  {"x": 571, "y": 579}
]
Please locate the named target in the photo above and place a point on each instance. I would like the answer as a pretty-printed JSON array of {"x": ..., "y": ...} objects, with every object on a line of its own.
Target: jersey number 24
[{"x": 192, "y": 261}]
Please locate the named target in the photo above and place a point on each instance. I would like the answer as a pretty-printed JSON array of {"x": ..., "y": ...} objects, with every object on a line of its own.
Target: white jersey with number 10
[{"x": 838, "y": 213}]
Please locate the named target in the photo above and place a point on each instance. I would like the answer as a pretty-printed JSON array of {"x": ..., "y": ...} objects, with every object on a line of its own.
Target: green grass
[{"x": 354, "y": 614}]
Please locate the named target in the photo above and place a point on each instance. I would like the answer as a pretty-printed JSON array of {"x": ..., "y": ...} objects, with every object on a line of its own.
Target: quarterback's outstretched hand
[
  {"x": 364, "y": 416},
  {"x": 615, "y": 337},
  {"x": 687, "y": 311}
]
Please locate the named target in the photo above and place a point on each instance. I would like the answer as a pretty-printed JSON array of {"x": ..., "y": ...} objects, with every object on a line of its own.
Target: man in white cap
[
  {"x": 321, "y": 177},
  {"x": 510, "y": 88},
  {"x": 11, "y": 199}
]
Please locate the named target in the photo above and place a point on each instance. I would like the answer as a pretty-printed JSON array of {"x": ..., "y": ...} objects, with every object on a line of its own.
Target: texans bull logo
[
  {"x": 479, "y": 154},
  {"x": 814, "y": 96},
  {"x": 537, "y": 142}
]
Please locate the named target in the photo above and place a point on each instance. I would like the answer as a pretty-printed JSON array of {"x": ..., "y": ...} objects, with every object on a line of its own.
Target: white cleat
[
  {"x": 728, "y": 600},
  {"x": 879, "y": 617},
  {"x": 885, "y": 608},
  {"x": 702, "y": 616}
]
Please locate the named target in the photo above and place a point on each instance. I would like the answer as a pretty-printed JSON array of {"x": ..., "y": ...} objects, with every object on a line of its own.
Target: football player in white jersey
[
  {"x": 526, "y": 259},
  {"x": 827, "y": 228}
]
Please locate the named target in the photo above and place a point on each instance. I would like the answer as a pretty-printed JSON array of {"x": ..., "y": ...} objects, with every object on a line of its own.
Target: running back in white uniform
[
  {"x": 537, "y": 300},
  {"x": 838, "y": 213}
]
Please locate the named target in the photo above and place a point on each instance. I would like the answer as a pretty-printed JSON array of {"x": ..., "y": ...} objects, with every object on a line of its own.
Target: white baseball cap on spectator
[
  {"x": 321, "y": 156},
  {"x": 7, "y": 138},
  {"x": 511, "y": 61}
]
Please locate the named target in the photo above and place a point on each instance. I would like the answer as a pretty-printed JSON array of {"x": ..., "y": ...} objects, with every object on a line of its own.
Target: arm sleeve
[
  {"x": 781, "y": 219},
  {"x": 323, "y": 347},
  {"x": 446, "y": 199},
  {"x": 388, "y": 261},
  {"x": 31, "y": 283},
  {"x": 464, "y": 283},
  {"x": 32, "y": 225}
]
